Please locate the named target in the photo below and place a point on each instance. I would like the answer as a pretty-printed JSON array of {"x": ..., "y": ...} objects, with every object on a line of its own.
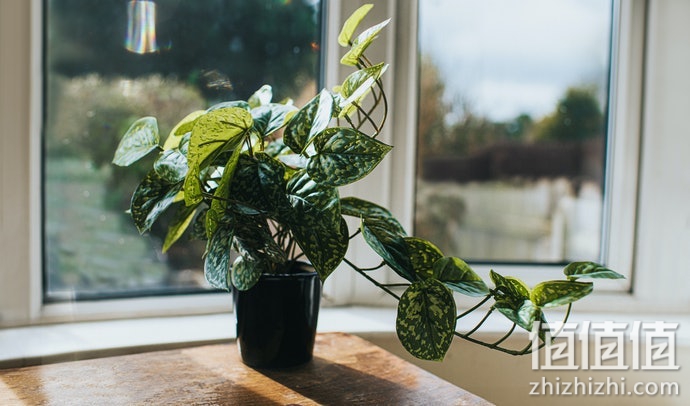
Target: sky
[{"x": 508, "y": 57}]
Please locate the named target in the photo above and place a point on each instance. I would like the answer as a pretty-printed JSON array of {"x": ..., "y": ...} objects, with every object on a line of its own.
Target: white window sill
[{"x": 72, "y": 341}]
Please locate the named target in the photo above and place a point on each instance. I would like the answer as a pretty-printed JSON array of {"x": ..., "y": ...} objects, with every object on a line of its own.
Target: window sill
[{"x": 33, "y": 345}]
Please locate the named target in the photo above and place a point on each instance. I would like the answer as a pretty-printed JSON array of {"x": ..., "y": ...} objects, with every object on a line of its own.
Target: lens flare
[{"x": 141, "y": 27}]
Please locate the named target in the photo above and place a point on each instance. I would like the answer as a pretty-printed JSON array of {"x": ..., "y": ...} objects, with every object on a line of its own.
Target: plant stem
[{"x": 372, "y": 280}]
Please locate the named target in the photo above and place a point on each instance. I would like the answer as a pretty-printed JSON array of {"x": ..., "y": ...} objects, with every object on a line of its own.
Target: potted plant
[{"x": 260, "y": 182}]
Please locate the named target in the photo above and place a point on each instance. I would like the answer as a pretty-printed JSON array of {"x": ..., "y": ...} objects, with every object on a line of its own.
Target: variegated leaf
[
  {"x": 258, "y": 186},
  {"x": 426, "y": 319},
  {"x": 324, "y": 246},
  {"x": 217, "y": 130},
  {"x": 227, "y": 104},
  {"x": 344, "y": 155},
  {"x": 271, "y": 117},
  {"x": 255, "y": 241},
  {"x": 357, "y": 85},
  {"x": 183, "y": 127},
  {"x": 217, "y": 262},
  {"x": 457, "y": 275},
  {"x": 577, "y": 270},
  {"x": 140, "y": 139},
  {"x": 371, "y": 213},
  {"x": 352, "y": 23},
  {"x": 220, "y": 197},
  {"x": 309, "y": 121},
  {"x": 150, "y": 199},
  {"x": 171, "y": 166},
  {"x": 246, "y": 273},
  {"x": 559, "y": 293},
  {"x": 510, "y": 288},
  {"x": 361, "y": 43},
  {"x": 523, "y": 314},
  {"x": 423, "y": 255}
]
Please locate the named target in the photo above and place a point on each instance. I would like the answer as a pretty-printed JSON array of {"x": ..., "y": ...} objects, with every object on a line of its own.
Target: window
[
  {"x": 513, "y": 106},
  {"x": 647, "y": 226},
  {"x": 109, "y": 62}
]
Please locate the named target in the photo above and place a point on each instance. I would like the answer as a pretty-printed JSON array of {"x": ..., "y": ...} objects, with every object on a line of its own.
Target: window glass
[
  {"x": 107, "y": 63},
  {"x": 512, "y": 128}
]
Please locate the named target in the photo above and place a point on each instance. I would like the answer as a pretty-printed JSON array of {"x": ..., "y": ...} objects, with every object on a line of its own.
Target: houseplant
[{"x": 261, "y": 179}]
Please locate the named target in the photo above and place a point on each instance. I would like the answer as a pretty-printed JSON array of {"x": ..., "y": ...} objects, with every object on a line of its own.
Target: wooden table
[{"x": 346, "y": 370}]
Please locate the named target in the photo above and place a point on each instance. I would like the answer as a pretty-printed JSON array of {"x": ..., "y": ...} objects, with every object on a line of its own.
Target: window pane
[
  {"x": 110, "y": 62},
  {"x": 512, "y": 128}
]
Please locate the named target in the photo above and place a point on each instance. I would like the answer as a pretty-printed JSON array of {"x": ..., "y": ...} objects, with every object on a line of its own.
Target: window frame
[{"x": 642, "y": 65}]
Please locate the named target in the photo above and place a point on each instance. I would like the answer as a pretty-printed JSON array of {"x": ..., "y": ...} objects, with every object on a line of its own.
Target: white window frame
[{"x": 648, "y": 244}]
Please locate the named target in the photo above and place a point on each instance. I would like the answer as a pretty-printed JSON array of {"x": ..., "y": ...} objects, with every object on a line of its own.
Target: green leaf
[
  {"x": 577, "y": 270},
  {"x": 150, "y": 199},
  {"x": 171, "y": 166},
  {"x": 371, "y": 213},
  {"x": 246, "y": 272},
  {"x": 361, "y": 43},
  {"x": 183, "y": 127},
  {"x": 352, "y": 23},
  {"x": 182, "y": 219},
  {"x": 357, "y": 85},
  {"x": 219, "y": 203},
  {"x": 217, "y": 130},
  {"x": 316, "y": 223},
  {"x": 254, "y": 240},
  {"x": 426, "y": 319},
  {"x": 383, "y": 233},
  {"x": 261, "y": 97},
  {"x": 258, "y": 186},
  {"x": 457, "y": 275},
  {"x": 309, "y": 121},
  {"x": 227, "y": 104},
  {"x": 523, "y": 314},
  {"x": 140, "y": 139},
  {"x": 510, "y": 288},
  {"x": 344, "y": 155},
  {"x": 559, "y": 293},
  {"x": 271, "y": 117},
  {"x": 423, "y": 255},
  {"x": 217, "y": 262}
]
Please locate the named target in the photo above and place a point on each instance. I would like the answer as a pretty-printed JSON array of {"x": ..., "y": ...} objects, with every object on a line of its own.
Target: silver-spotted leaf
[
  {"x": 510, "y": 288},
  {"x": 426, "y": 319},
  {"x": 246, "y": 273},
  {"x": 217, "y": 261},
  {"x": 308, "y": 122},
  {"x": 140, "y": 139},
  {"x": 458, "y": 276},
  {"x": 577, "y": 270},
  {"x": 423, "y": 255},
  {"x": 559, "y": 293},
  {"x": 150, "y": 199},
  {"x": 271, "y": 117},
  {"x": 171, "y": 166},
  {"x": 344, "y": 155}
]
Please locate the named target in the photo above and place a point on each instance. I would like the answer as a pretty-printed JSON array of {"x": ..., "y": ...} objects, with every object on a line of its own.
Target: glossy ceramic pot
[{"x": 276, "y": 319}]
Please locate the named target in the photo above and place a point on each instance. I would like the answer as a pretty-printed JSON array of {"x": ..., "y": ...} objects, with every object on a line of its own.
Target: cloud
[{"x": 511, "y": 57}]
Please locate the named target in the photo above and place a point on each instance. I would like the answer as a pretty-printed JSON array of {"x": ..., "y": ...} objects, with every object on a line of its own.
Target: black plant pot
[{"x": 276, "y": 319}]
